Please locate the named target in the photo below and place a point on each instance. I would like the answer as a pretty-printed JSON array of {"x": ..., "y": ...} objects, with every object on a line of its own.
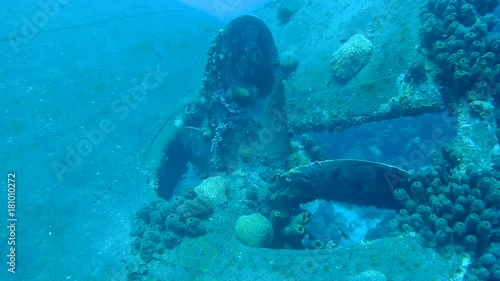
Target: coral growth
[
  {"x": 254, "y": 230},
  {"x": 241, "y": 95},
  {"x": 351, "y": 57},
  {"x": 213, "y": 191},
  {"x": 454, "y": 35},
  {"x": 453, "y": 209},
  {"x": 162, "y": 225},
  {"x": 288, "y": 62}
]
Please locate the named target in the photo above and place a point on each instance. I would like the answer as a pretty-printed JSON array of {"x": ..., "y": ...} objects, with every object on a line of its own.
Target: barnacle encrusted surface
[{"x": 351, "y": 57}]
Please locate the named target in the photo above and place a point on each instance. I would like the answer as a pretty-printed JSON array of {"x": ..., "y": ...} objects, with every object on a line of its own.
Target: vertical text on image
[{"x": 11, "y": 221}]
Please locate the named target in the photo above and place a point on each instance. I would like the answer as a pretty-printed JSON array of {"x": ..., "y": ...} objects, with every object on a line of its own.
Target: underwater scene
[{"x": 261, "y": 140}]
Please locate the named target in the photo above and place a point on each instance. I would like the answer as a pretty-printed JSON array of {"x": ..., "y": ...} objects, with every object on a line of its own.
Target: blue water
[{"x": 63, "y": 79}]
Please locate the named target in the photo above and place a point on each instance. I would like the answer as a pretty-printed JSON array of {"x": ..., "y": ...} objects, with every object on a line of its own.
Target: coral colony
[{"x": 236, "y": 137}]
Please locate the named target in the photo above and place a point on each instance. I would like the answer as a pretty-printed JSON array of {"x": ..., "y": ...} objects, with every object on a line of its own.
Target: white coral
[
  {"x": 351, "y": 57},
  {"x": 214, "y": 190}
]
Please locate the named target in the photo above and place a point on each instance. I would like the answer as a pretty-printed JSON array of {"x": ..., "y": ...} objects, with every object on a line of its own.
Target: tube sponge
[
  {"x": 483, "y": 229},
  {"x": 174, "y": 223},
  {"x": 490, "y": 21},
  {"x": 418, "y": 191},
  {"x": 277, "y": 218},
  {"x": 171, "y": 240},
  {"x": 351, "y": 57},
  {"x": 493, "y": 198},
  {"x": 393, "y": 227},
  {"x": 487, "y": 260},
  {"x": 156, "y": 219},
  {"x": 424, "y": 210},
  {"x": 443, "y": 237},
  {"x": 477, "y": 207},
  {"x": 468, "y": 14},
  {"x": 481, "y": 273},
  {"x": 194, "y": 208},
  {"x": 317, "y": 245},
  {"x": 471, "y": 221},
  {"x": 152, "y": 235},
  {"x": 411, "y": 206},
  {"x": 401, "y": 196},
  {"x": 440, "y": 6},
  {"x": 459, "y": 231},
  {"x": 138, "y": 228},
  {"x": 294, "y": 230},
  {"x": 440, "y": 224},
  {"x": 303, "y": 218},
  {"x": 254, "y": 230},
  {"x": 147, "y": 249},
  {"x": 194, "y": 227},
  {"x": 470, "y": 242},
  {"x": 458, "y": 212}
]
